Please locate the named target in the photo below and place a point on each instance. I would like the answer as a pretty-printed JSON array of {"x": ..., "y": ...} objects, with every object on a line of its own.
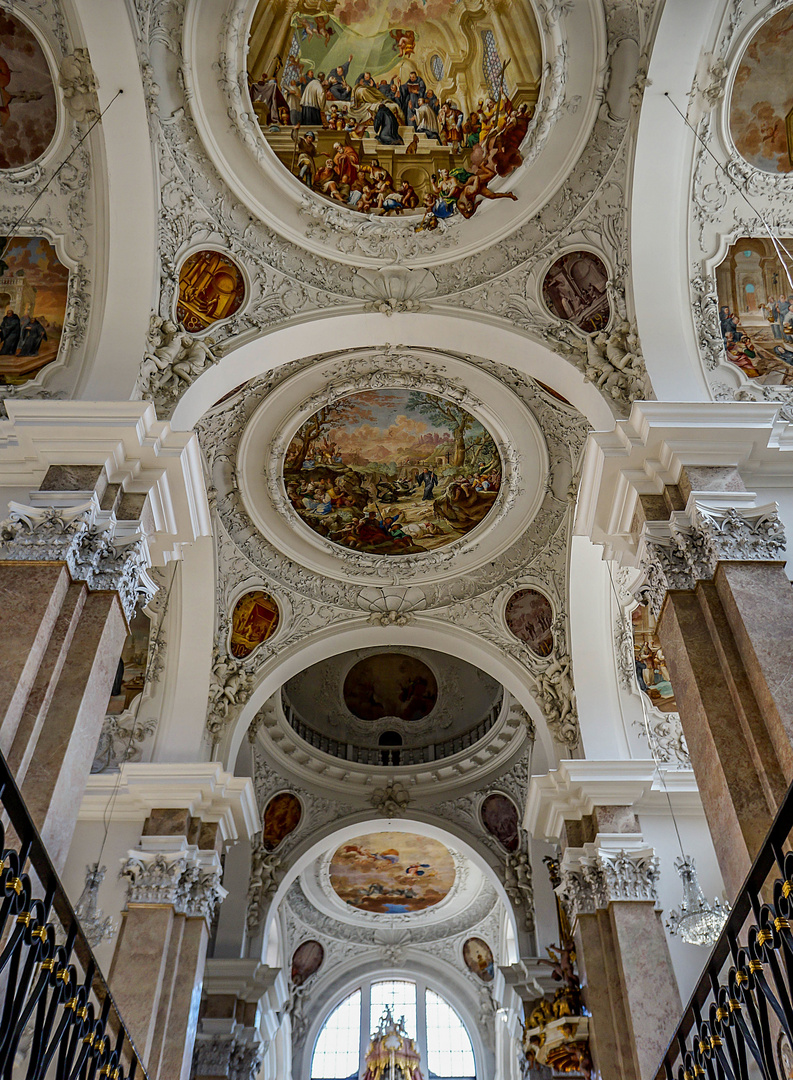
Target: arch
[
  {"x": 429, "y": 633},
  {"x": 421, "y": 822},
  {"x": 448, "y": 331}
]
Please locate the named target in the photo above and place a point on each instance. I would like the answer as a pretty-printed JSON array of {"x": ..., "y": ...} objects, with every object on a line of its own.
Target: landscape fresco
[
  {"x": 392, "y": 472},
  {"x": 28, "y": 110},
  {"x": 761, "y": 107},
  {"x": 34, "y": 288},
  {"x": 652, "y": 673},
  {"x": 755, "y": 297},
  {"x": 393, "y": 107},
  {"x": 392, "y": 872},
  {"x": 390, "y": 684}
]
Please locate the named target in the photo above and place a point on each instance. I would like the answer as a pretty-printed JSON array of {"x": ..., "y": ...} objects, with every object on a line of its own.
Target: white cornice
[
  {"x": 577, "y": 787},
  {"x": 203, "y": 788},
  {"x": 647, "y": 451},
  {"x": 139, "y": 451}
]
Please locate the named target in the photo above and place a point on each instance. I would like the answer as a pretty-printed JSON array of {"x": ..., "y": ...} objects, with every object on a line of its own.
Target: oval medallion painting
[
  {"x": 306, "y": 960},
  {"x": 761, "y": 108},
  {"x": 392, "y": 472},
  {"x": 529, "y": 616},
  {"x": 211, "y": 288},
  {"x": 575, "y": 289},
  {"x": 392, "y": 873},
  {"x": 394, "y": 107},
  {"x": 281, "y": 817},
  {"x": 253, "y": 620},
  {"x": 28, "y": 113},
  {"x": 478, "y": 958},
  {"x": 500, "y": 817}
]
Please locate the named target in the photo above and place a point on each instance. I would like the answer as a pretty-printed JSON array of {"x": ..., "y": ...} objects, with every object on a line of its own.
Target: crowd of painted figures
[
  {"x": 750, "y": 351},
  {"x": 21, "y": 336},
  {"x": 490, "y": 136}
]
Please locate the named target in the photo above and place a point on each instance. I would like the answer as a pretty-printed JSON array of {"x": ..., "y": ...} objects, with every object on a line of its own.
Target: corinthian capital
[{"x": 591, "y": 880}]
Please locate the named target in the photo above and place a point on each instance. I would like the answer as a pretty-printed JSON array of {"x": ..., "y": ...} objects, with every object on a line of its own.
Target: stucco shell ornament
[{"x": 398, "y": 132}]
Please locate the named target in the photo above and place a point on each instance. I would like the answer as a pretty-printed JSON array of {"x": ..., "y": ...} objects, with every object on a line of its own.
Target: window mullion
[
  {"x": 421, "y": 1025},
  {"x": 366, "y": 1025}
]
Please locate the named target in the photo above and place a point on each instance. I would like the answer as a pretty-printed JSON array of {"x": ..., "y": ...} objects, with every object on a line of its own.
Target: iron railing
[
  {"x": 390, "y": 755},
  {"x": 739, "y": 1022},
  {"x": 57, "y": 1016}
]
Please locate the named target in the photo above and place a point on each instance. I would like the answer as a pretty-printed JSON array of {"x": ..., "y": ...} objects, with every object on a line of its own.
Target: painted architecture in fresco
[
  {"x": 478, "y": 958},
  {"x": 529, "y": 616},
  {"x": 34, "y": 288},
  {"x": 28, "y": 109},
  {"x": 392, "y": 472},
  {"x": 652, "y": 673},
  {"x": 574, "y": 289},
  {"x": 392, "y": 872},
  {"x": 755, "y": 296},
  {"x": 761, "y": 107},
  {"x": 390, "y": 684},
  {"x": 393, "y": 107},
  {"x": 253, "y": 620},
  {"x": 211, "y": 288}
]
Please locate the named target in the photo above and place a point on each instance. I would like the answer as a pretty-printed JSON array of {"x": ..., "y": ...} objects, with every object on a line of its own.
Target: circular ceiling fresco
[
  {"x": 761, "y": 107},
  {"x": 392, "y": 472},
  {"x": 28, "y": 110},
  {"x": 392, "y": 873},
  {"x": 390, "y": 684},
  {"x": 394, "y": 107}
]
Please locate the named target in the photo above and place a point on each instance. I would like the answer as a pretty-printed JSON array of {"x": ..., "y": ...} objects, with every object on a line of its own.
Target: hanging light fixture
[
  {"x": 697, "y": 922},
  {"x": 95, "y": 927}
]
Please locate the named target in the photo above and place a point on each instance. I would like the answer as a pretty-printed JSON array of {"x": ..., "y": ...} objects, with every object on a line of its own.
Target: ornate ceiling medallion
[
  {"x": 392, "y": 108},
  {"x": 392, "y": 472},
  {"x": 392, "y": 873}
]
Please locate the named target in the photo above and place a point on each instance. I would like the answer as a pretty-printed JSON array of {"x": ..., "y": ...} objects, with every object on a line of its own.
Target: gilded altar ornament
[
  {"x": 254, "y": 620},
  {"x": 391, "y": 1054}
]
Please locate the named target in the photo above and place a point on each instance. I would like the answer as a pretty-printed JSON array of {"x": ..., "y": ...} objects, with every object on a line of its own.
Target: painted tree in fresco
[
  {"x": 346, "y": 412},
  {"x": 445, "y": 414}
]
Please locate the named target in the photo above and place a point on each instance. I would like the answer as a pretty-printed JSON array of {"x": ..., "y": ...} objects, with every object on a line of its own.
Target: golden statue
[{"x": 391, "y": 1054}]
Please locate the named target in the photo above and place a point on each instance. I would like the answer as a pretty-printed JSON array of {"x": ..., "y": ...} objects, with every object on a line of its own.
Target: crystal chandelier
[
  {"x": 96, "y": 928},
  {"x": 697, "y": 922}
]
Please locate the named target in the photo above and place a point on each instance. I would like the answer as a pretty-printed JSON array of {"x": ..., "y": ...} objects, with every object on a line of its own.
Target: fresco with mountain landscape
[{"x": 392, "y": 472}]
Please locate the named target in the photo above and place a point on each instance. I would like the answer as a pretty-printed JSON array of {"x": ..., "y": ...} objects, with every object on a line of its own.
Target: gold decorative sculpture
[{"x": 391, "y": 1054}]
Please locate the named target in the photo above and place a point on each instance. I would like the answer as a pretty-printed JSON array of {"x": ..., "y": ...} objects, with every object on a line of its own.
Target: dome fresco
[
  {"x": 392, "y": 472},
  {"x": 390, "y": 684},
  {"x": 392, "y": 872},
  {"x": 394, "y": 107},
  {"x": 28, "y": 108},
  {"x": 761, "y": 107}
]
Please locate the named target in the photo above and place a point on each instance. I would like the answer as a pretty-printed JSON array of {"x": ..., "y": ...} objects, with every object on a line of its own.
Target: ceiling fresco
[
  {"x": 390, "y": 684},
  {"x": 211, "y": 288},
  {"x": 755, "y": 296},
  {"x": 28, "y": 110},
  {"x": 761, "y": 109},
  {"x": 392, "y": 872},
  {"x": 393, "y": 107},
  {"x": 392, "y": 472},
  {"x": 33, "y": 294}
]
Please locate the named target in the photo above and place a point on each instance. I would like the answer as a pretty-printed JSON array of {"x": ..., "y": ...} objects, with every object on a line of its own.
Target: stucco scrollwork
[{"x": 590, "y": 882}]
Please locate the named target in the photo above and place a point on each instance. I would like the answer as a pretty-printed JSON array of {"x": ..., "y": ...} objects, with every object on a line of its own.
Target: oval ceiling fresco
[
  {"x": 500, "y": 817},
  {"x": 281, "y": 817},
  {"x": 211, "y": 288},
  {"x": 574, "y": 289},
  {"x": 390, "y": 684},
  {"x": 761, "y": 108},
  {"x": 392, "y": 873},
  {"x": 392, "y": 472},
  {"x": 478, "y": 958},
  {"x": 394, "y": 107},
  {"x": 28, "y": 111},
  {"x": 306, "y": 961},
  {"x": 253, "y": 620},
  {"x": 529, "y": 616}
]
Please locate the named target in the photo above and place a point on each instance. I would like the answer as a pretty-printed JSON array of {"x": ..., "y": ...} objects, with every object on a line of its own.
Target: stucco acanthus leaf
[
  {"x": 233, "y": 1056},
  {"x": 705, "y": 307},
  {"x": 121, "y": 738},
  {"x": 391, "y": 800},
  {"x": 187, "y": 879},
  {"x": 266, "y": 872},
  {"x": 79, "y": 84},
  {"x": 592, "y": 881}
]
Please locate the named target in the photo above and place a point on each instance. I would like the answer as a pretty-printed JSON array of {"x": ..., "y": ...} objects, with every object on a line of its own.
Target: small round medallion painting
[
  {"x": 211, "y": 288},
  {"x": 306, "y": 960},
  {"x": 281, "y": 817},
  {"x": 575, "y": 289},
  {"x": 529, "y": 616},
  {"x": 392, "y": 472},
  {"x": 478, "y": 958},
  {"x": 253, "y": 620}
]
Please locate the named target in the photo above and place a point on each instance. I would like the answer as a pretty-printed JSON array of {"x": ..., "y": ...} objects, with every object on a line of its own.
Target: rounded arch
[
  {"x": 446, "y": 330},
  {"x": 427, "y": 970},
  {"x": 421, "y": 822},
  {"x": 428, "y": 633}
]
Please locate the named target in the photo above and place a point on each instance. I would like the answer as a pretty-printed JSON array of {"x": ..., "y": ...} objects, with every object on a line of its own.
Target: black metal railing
[
  {"x": 739, "y": 1021},
  {"x": 57, "y": 1016},
  {"x": 367, "y": 755}
]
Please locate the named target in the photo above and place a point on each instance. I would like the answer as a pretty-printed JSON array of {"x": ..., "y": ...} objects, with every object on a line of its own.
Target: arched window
[
  {"x": 445, "y": 1045},
  {"x": 491, "y": 63},
  {"x": 338, "y": 1048}
]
